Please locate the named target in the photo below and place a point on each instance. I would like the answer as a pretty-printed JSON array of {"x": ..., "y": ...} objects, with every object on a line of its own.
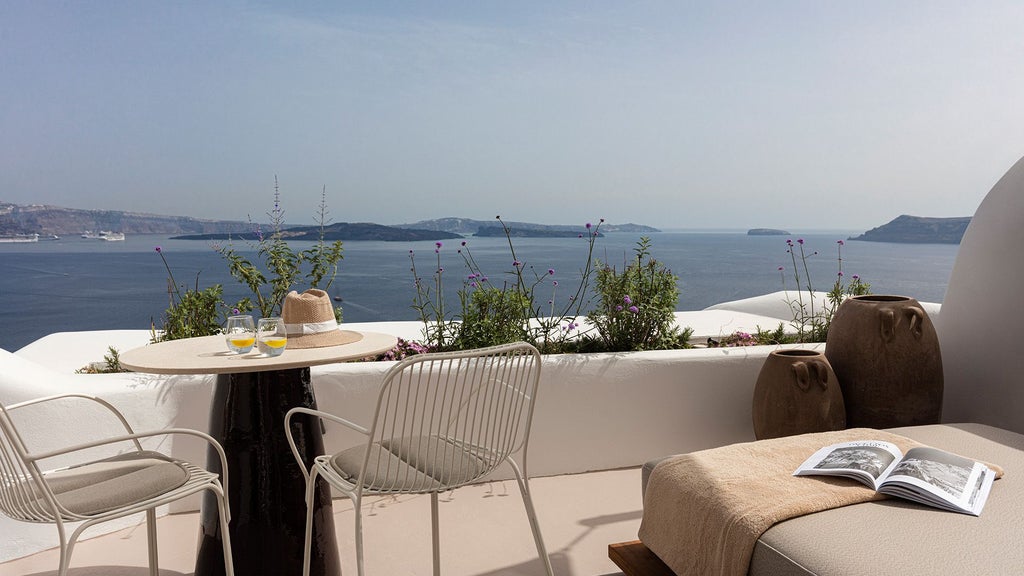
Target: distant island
[
  {"x": 918, "y": 230},
  {"x": 57, "y": 221},
  {"x": 338, "y": 231},
  {"x": 468, "y": 227},
  {"x": 767, "y": 232}
]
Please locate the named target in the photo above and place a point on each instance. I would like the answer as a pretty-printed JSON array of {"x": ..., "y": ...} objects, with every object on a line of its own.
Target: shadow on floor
[{"x": 110, "y": 571}]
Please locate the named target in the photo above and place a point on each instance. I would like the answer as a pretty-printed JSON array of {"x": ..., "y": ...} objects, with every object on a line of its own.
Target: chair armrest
[{"x": 324, "y": 415}]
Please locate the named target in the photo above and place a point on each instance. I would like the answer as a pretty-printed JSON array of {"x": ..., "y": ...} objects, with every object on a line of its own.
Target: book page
[
  {"x": 866, "y": 460},
  {"x": 940, "y": 478}
]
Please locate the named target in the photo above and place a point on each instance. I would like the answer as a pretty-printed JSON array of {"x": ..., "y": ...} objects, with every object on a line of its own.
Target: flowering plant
[
  {"x": 283, "y": 262},
  {"x": 504, "y": 311},
  {"x": 636, "y": 308},
  {"x": 812, "y": 314}
]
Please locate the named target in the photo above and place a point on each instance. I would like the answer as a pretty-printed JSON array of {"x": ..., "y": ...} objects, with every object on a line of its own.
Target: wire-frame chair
[
  {"x": 442, "y": 420},
  {"x": 96, "y": 491}
]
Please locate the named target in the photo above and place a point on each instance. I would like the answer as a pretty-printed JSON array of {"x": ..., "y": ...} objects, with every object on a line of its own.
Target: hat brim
[{"x": 324, "y": 339}]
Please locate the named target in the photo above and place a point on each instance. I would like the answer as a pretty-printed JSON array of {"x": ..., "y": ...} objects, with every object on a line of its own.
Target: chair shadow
[{"x": 110, "y": 571}]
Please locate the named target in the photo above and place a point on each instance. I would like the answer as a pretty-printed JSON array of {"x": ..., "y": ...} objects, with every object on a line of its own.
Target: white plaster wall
[{"x": 979, "y": 330}]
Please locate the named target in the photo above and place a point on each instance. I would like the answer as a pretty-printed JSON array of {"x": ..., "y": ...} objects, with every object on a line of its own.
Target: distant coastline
[{"x": 54, "y": 220}]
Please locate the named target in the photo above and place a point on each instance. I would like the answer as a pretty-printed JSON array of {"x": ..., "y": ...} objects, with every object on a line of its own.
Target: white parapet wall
[{"x": 594, "y": 411}]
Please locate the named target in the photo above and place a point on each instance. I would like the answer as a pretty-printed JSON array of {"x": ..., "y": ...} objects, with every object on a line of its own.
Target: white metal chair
[
  {"x": 96, "y": 491},
  {"x": 443, "y": 420}
]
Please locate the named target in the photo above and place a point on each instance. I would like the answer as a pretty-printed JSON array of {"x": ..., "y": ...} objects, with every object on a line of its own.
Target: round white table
[{"x": 266, "y": 489}]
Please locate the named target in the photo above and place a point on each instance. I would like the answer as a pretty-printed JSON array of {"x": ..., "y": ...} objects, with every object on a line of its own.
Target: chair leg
[
  {"x": 524, "y": 488},
  {"x": 65, "y": 554},
  {"x": 154, "y": 562},
  {"x": 225, "y": 531},
  {"x": 310, "y": 496},
  {"x": 357, "y": 505},
  {"x": 435, "y": 528}
]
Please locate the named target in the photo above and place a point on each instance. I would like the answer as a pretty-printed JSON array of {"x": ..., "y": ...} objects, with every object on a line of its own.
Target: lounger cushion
[
  {"x": 101, "y": 486},
  {"x": 894, "y": 536}
]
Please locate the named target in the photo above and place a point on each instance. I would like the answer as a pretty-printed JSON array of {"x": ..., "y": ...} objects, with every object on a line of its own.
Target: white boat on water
[
  {"x": 104, "y": 235},
  {"x": 19, "y": 238}
]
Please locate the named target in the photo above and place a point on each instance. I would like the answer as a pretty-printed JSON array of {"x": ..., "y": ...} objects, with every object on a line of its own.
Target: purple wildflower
[
  {"x": 800, "y": 241},
  {"x": 516, "y": 263},
  {"x": 856, "y": 277},
  {"x": 618, "y": 308},
  {"x": 551, "y": 271},
  {"x": 633, "y": 309},
  {"x": 780, "y": 268},
  {"x": 554, "y": 282},
  {"x": 473, "y": 284},
  {"x": 627, "y": 299},
  {"x": 840, "y": 242},
  {"x": 158, "y": 249},
  {"x": 438, "y": 244},
  {"x": 589, "y": 225},
  {"x": 463, "y": 242}
]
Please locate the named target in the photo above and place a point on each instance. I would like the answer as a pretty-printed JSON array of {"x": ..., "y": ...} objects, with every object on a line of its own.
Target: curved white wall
[{"x": 982, "y": 315}]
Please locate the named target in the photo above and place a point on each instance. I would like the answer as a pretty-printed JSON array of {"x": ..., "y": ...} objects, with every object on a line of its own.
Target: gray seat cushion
[
  {"x": 414, "y": 464},
  {"x": 97, "y": 487},
  {"x": 898, "y": 537}
]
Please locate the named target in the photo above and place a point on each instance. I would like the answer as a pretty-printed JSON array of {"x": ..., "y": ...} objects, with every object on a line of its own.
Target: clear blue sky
[{"x": 798, "y": 115}]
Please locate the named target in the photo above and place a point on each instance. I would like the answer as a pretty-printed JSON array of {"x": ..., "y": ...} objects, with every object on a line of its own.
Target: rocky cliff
[
  {"x": 918, "y": 230},
  {"x": 49, "y": 220}
]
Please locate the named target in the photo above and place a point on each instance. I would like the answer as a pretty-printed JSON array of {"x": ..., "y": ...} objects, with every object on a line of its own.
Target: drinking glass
[
  {"x": 271, "y": 336},
  {"x": 240, "y": 334}
]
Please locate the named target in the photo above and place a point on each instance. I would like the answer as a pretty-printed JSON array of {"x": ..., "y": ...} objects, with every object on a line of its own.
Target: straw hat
[{"x": 309, "y": 320}]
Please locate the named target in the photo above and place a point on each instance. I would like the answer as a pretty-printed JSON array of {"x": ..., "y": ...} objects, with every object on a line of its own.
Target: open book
[{"x": 926, "y": 475}]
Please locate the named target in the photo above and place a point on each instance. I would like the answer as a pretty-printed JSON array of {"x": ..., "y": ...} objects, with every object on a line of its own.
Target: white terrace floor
[{"x": 484, "y": 532}]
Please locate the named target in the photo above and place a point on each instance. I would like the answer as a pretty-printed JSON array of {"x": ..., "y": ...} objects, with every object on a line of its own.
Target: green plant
[
  {"x": 193, "y": 312},
  {"x": 636, "y": 307},
  {"x": 284, "y": 264},
  {"x": 111, "y": 364}
]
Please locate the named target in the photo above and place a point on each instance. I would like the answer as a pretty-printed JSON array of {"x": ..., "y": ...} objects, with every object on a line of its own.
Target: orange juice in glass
[
  {"x": 271, "y": 336},
  {"x": 240, "y": 334}
]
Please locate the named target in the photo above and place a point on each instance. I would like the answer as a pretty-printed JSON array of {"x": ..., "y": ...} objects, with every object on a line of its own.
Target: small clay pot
[{"x": 797, "y": 392}]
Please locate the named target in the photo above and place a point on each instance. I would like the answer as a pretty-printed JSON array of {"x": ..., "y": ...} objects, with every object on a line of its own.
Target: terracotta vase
[
  {"x": 885, "y": 351},
  {"x": 796, "y": 393}
]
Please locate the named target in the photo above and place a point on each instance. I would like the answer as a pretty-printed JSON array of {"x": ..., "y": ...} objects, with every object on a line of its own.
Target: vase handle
[
  {"x": 822, "y": 374},
  {"x": 887, "y": 319},
  {"x": 803, "y": 375},
  {"x": 916, "y": 316},
  {"x": 802, "y": 371}
]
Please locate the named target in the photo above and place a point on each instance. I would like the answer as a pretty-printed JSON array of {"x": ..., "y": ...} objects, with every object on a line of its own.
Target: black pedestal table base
[{"x": 266, "y": 488}]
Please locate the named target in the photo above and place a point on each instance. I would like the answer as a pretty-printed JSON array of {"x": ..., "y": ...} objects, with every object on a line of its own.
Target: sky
[{"x": 676, "y": 114}]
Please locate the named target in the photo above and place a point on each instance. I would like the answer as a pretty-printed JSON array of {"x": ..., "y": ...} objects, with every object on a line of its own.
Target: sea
[{"x": 77, "y": 284}]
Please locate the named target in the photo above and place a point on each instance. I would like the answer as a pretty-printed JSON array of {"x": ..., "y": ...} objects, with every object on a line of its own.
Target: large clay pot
[
  {"x": 885, "y": 351},
  {"x": 796, "y": 393}
]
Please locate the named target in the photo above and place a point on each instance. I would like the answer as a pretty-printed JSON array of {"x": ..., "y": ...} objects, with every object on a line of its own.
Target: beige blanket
[{"x": 703, "y": 512}]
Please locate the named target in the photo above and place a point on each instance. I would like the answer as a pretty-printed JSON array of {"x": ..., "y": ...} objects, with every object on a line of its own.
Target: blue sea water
[{"x": 75, "y": 284}]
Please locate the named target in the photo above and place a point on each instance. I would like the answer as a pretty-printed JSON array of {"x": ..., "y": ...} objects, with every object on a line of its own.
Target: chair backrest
[
  {"x": 455, "y": 416},
  {"x": 23, "y": 494}
]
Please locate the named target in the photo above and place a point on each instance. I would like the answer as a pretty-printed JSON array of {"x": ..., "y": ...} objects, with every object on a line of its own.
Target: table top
[{"x": 209, "y": 355}]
